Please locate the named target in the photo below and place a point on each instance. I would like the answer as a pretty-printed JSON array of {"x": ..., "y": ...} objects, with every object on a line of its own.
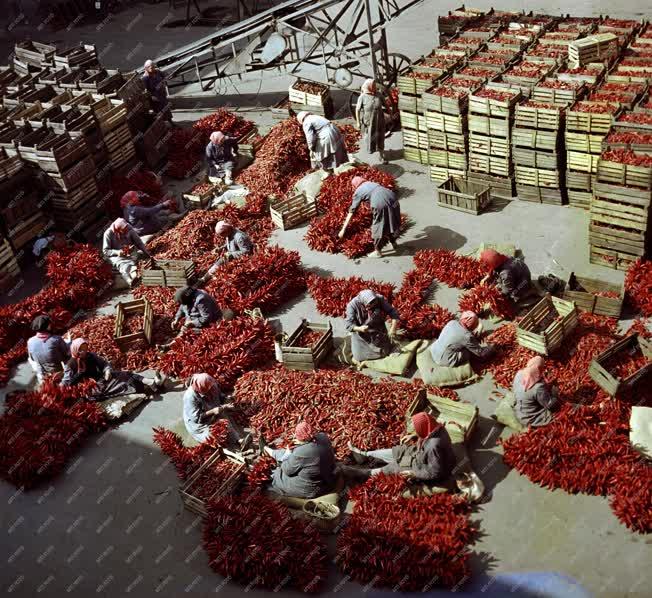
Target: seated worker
[
  {"x": 118, "y": 243},
  {"x": 236, "y": 244},
  {"x": 365, "y": 319},
  {"x": 221, "y": 156},
  {"x": 198, "y": 308},
  {"x": 46, "y": 352},
  {"x": 430, "y": 459},
  {"x": 85, "y": 365},
  {"x": 308, "y": 470},
  {"x": 534, "y": 400},
  {"x": 154, "y": 81},
  {"x": 143, "y": 219},
  {"x": 202, "y": 405},
  {"x": 510, "y": 274},
  {"x": 458, "y": 341}
]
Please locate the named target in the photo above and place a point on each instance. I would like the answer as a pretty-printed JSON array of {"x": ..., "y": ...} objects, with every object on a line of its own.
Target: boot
[{"x": 375, "y": 254}]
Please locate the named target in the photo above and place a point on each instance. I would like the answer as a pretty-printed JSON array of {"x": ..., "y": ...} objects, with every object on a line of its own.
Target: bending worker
[
  {"x": 221, "y": 157},
  {"x": 236, "y": 244},
  {"x": 534, "y": 400},
  {"x": 308, "y": 470},
  {"x": 197, "y": 307},
  {"x": 85, "y": 365},
  {"x": 325, "y": 142},
  {"x": 430, "y": 459},
  {"x": 458, "y": 341},
  {"x": 154, "y": 81},
  {"x": 118, "y": 245},
  {"x": 510, "y": 274},
  {"x": 46, "y": 352},
  {"x": 385, "y": 213},
  {"x": 365, "y": 319},
  {"x": 371, "y": 119},
  {"x": 145, "y": 220},
  {"x": 203, "y": 404}
]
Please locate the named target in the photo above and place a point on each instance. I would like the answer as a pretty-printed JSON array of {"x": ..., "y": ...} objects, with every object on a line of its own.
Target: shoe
[
  {"x": 358, "y": 456},
  {"x": 395, "y": 247},
  {"x": 375, "y": 254}
]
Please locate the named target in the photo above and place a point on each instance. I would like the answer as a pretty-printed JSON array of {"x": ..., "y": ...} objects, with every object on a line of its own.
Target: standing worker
[
  {"x": 46, "y": 352},
  {"x": 154, "y": 81},
  {"x": 365, "y": 319},
  {"x": 237, "y": 244},
  {"x": 325, "y": 142},
  {"x": 510, "y": 274},
  {"x": 371, "y": 119},
  {"x": 145, "y": 220},
  {"x": 118, "y": 245},
  {"x": 308, "y": 470},
  {"x": 203, "y": 404},
  {"x": 221, "y": 157},
  {"x": 458, "y": 341},
  {"x": 385, "y": 213},
  {"x": 431, "y": 459},
  {"x": 534, "y": 400}
]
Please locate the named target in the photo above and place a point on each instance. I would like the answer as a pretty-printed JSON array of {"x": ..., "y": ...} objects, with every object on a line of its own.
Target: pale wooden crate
[
  {"x": 582, "y": 162},
  {"x": 466, "y": 196},
  {"x": 169, "y": 273},
  {"x": 609, "y": 258},
  {"x": 588, "y": 122},
  {"x": 452, "y": 142},
  {"x": 491, "y": 146},
  {"x": 537, "y": 177},
  {"x": 292, "y": 211},
  {"x": 624, "y": 174},
  {"x": 579, "y": 199},
  {"x": 439, "y": 174},
  {"x": 307, "y": 358},
  {"x": 129, "y": 308},
  {"x": 534, "y": 139},
  {"x": 612, "y": 384},
  {"x": 310, "y": 99},
  {"x": 500, "y": 188},
  {"x": 414, "y": 154},
  {"x": 445, "y": 105},
  {"x": 586, "y": 293},
  {"x": 414, "y": 138},
  {"x": 491, "y": 107},
  {"x": 446, "y": 123},
  {"x": 580, "y": 181},
  {"x": 552, "y": 95},
  {"x": 592, "y": 48},
  {"x": 545, "y": 326},
  {"x": 490, "y": 164},
  {"x": 537, "y": 158},
  {"x": 547, "y": 195},
  {"x": 584, "y": 142},
  {"x": 486, "y": 125},
  {"x": 537, "y": 118},
  {"x": 455, "y": 160}
]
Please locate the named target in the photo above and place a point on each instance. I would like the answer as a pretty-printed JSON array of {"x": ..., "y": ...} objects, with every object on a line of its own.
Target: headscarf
[
  {"x": 222, "y": 228},
  {"x": 40, "y": 324},
  {"x": 424, "y": 425},
  {"x": 532, "y": 372},
  {"x": 469, "y": 320},
  {"x": 130, "y": 198},
  {"x": 356, "y": 181},
  {"x": 217, "y": 137},
  {"x": 304, "y": 432},
  {"x": 368, "y": 87},
  {"x": 147, "y": 64},
  {"x": 75, "y": 346},
  {"x": 119, "y": 227},
  {"x": 493, "y": 259},
  {"x": 202, "y": 383},
  {"x": 367, "y": 296},
  {"x": 184, "y": 295},
  {"x": 302, "y": 116}
]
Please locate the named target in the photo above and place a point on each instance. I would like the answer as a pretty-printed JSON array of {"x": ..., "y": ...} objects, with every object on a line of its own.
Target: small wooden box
[
  {"x": 228, "y": 486},
  {"x": 290, "y": 212},
  {"x": 196, "y": 201},
  {"x": 585, "y": 293},
  {"x": 307, "y": 358},
  {"x": 465, "y": 196},
  {"x": 546, "y": 325},
  {"x": 130, "y": 308},
  {"x": 249, "y": 143},
  {"x": 170, "y": 273},
  {"x": 608, "y": 382},
  {"x": 309, "y": 99}
]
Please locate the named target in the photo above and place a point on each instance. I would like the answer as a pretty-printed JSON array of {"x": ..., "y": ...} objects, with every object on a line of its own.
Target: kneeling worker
[
  {"x": 458, "y": 341},
  {"x": 534, "y": 400},
  {"x": 308, "y": 470},
  {"x": 510, "y": 274},
  {"x": 221, "y": 156},
  {"x": 236, "y": 244},
  {"x": 203, "y": 403}
]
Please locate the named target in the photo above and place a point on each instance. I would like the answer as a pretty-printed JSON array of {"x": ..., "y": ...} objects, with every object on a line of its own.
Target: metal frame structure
[{"x": 233, "y": 51}]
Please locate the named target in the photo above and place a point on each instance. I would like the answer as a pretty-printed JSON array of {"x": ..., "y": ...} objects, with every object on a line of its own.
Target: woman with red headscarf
[
  {"x": 458, "y": 341},
  {"x": 534, "y": 400},
  {"x": 510, "y": 274},
  {"x": 203, "y": 403},
  {"x": 118, "y": 245},
  {"x": 430, "y": 459},
  {"x": 385, "y": 213},
  {"x": 370, "y": 118},
  {"x": 308, "y": 470}
]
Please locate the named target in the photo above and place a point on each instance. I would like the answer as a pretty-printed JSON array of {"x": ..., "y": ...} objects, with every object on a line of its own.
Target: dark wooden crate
[
  {"x": 307, "y": 358},
  {"x": 585, "y": 292},
  {"x": 129, "y": 308}
]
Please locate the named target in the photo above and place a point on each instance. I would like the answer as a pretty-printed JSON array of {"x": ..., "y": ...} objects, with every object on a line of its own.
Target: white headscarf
[
  {"x": 302, "y": 116},
  {"x": 148, "y": 63},
  {"x": 367, "y": 296},
  {"x": 368, "y": 87}
]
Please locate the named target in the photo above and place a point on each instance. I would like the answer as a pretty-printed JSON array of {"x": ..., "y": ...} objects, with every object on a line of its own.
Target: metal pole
[{"x": 370, "y": 32}]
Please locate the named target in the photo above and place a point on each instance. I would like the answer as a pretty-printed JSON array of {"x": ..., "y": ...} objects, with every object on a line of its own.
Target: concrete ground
[{"x": 113, "y": 523}]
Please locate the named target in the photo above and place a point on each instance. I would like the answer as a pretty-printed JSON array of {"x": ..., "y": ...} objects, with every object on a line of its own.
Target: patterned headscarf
[
  {"x": 222, "y": 228},
  {"x": 424, "y": 425},
  {"x": 75, "y": 346},
  {"x": 217, "y": 137},
  {"x": 532, "y": 372},
  {"x": 304, "y": 432},
  {"x": 368, "y": 87},
  {"x": 367, "y": 296},
  {"x": 202, "y": 383},
  {"x": 119, "y": 227},
  {"x": 147, "y": 64},
  {"x": 469, "y": 320}
]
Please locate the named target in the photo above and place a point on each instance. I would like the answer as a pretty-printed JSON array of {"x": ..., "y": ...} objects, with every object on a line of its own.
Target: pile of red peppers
[
  {"x": 332, "y": 295},
  {"x": 638, "y": 286}
]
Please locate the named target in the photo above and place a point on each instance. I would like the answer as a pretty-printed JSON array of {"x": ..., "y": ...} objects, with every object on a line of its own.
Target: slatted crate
[
  {"x": 583, "y": 142},
  {"x": 416, "y": 139},
  {"x": 610, "y": 258},
  {"x": 545, "y": 326},
  {"x": 298, "y": 96},
  {"x": 490, "y": 164},
  {"x": 500, "y": 188},
  {"x": 581, "y": 162},
  {"x": 537, "y": 118},
  {"x": 636, "y": 127},
  {"x": 593, "y": 48},
  {"x": 590, "y": 295},
  {"x": 491, "y": 146},
  {"x": 492, "y": 107},
  {"x": 28, "y": 144},
  {"x": 439, "y": 174},
  {"x": 445, "y": 105},
  {"x": 125, "y": 309},
  {"x": 452, "y": 142},
  {"x": 59, "y": 154},
  {"x": 26, "y": 230},
  {"x": 11, "y": 136},
  {"x": 589, "y": 78},
  {"x": 110, "y": 114},
  {"x": 410, "y": 103},
  {"x": 537, "y": 177},
  {"x": 459, "y": 419},
  {"x": 599, "y": 369},
  {"x": 537, "y": 159},
  {"x": 582, "y": 181},
  {"x": 477, "y": 59},
  {"x": 169, "y": 273},
  {"x": 589, "y": 122},
  {"x": 83, "y": 55},
  {"x": 414, "y": 154},
  {"x": 459, "y": 194},
  {"x": 535, "y": 139},
  {"x": 290, "y": 212},
  {"x": 446, "y": 123},
  {"x": 456, "y": 161},
  {"x": 621, "y": 206},
  {"x": 547, "y": 195},
  {"x": 628, "y": 175},
  {"x": 35, "y": 53},
  {"x": 9, "y": 269},
  {"x": 579, "y": 199},
  {"x": 554, "y": 95},
  {"x": 18, "y": 206},
  {"x": 413, "y": 121},
  {"x": 486, "y": 125},
  {"x": 415, "y": 83},
  {"x": 307, "y": 358}
]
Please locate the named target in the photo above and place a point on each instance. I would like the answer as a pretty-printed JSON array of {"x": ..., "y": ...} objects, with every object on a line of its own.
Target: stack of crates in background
[
  {"x": 152, "y": 144},
  {"x": 636, "y": 66},
  {"x": 594, "y": 48},
  {"x": 112, "y": 118},
  {"x": 456, "y": 20},
  {"x": 9, "y": 269}
]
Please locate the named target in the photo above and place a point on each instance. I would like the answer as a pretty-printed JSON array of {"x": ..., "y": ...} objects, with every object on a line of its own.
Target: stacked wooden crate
[
  {"x": 311, "y": 97},
  {"x": 456, "y": 20},
  {"x": 593, "y": 48},
  {"x": 152, "y": 144},
  {"x": 9, "y": 269},
  {"x": 112, "y": 118}
]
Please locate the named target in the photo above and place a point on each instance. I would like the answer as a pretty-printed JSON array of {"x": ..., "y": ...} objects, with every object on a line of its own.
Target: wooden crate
[
  {"x": 439, "y": 174},
  {"x": 198, "y": 506},
  {"x": 535, "y": 139},
  {"x": 500, "y": 188},
  {"x": 548, "y": 195},
  {"x": 546, "y": 325},
  {"x": 593, "y": 48},
  {"x": 196, "y": 201},
  {"x": 249, "y": 143},
  {"x": 536, "y": 158},
  {"x": 446, "y": 159},
  {"x": 588, "y": 122},
  {"x": 588, "y": 78},
  {"x": 407, "y": 84},
  {"x": 82, "y": 55},
  {"x": 61, "y": 153},
  {"x": 410, "y": 103},
  {"x": 412, "y": 121},
  {"x": 581, "y": 162},
  {"x": 611, "y": 384},
  {"x": 414, "y": 154},
  {"x": 110, "y": 114},
  {"x": 624, "y": 174},
  {"x": 73, "y": 176},
  {"x": 281, "y": 110},
  {"x": 35, "y": 53},
  {"x": 465, "y": 196},
  {"x": 309, "y": 99},
  {"x": 553, "y": 95},
  {"x": 9, "y": 269},
  {"x": 581, "y": 181},
  {"x": 537, "y": 118},
  {"x": 445, "y": 105},
  {"x": 414, "y": 138},
  {"x": 130, "y": 308},
  {"x": 583, "y": 142},
  {"x": 451, "y": 142},
  {"x": 491, "y": 107},
  {"x": 486, "y": 125},
  {"x": 446, "y": 123},
  {"x": 170, "y": 273},
  {"x": 538, "y": 177},
  {"x": 26, "y": 230},
  {"x": 490, "y": 164},
  {"x": 490, "y": 146},
  {"x": 585, "y": 292},
  {"x": 290, "y": 212},
  {"x": 307, "y": 358},
  {"x": 609, "y": 258},
  {"x": 579, "y": 199}
]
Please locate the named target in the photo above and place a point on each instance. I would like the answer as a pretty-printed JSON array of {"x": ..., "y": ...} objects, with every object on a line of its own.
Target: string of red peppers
[
  {"x": 333, "y": 294},
  {"x": 638, "y": 286}
]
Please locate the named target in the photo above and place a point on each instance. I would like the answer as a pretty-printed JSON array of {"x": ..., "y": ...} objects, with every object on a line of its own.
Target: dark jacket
[
  {"x": 220, "y": 154},
  {"x": 432, "y": 461},
  {"x": 513, "y": 278},
  {"x": 143, "y": 219},
  {"x": 202, "y": 311},
  {"x": 155, "y": 85},
  {"x": 309, "y": 471},
  {"x": 95, "y": 368},
  {"x": 533, "y": 406}
]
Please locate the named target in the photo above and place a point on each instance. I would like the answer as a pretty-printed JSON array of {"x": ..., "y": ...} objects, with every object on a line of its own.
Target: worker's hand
[
  {"x": 175, "y": 324},
  {"x": 67, "y": 337},
  {"x": 107, "y": 374},
  {"x": 226, "y": 406},
  {"x": 268, "y": 451},
  {"x": 362, "y": 328},
  {"x": 171, "y": 203},
  {"x": 407, "y": 474},
  {"x": 485, "y": 279},
  {"x": 214, "y": 411},
  {"x": 407, "y": 438}
]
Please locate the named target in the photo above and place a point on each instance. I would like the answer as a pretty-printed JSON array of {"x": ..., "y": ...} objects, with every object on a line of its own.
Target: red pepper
[
  {"x": 638, "y": 286},
  {"x": 332, "y": 295}
]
